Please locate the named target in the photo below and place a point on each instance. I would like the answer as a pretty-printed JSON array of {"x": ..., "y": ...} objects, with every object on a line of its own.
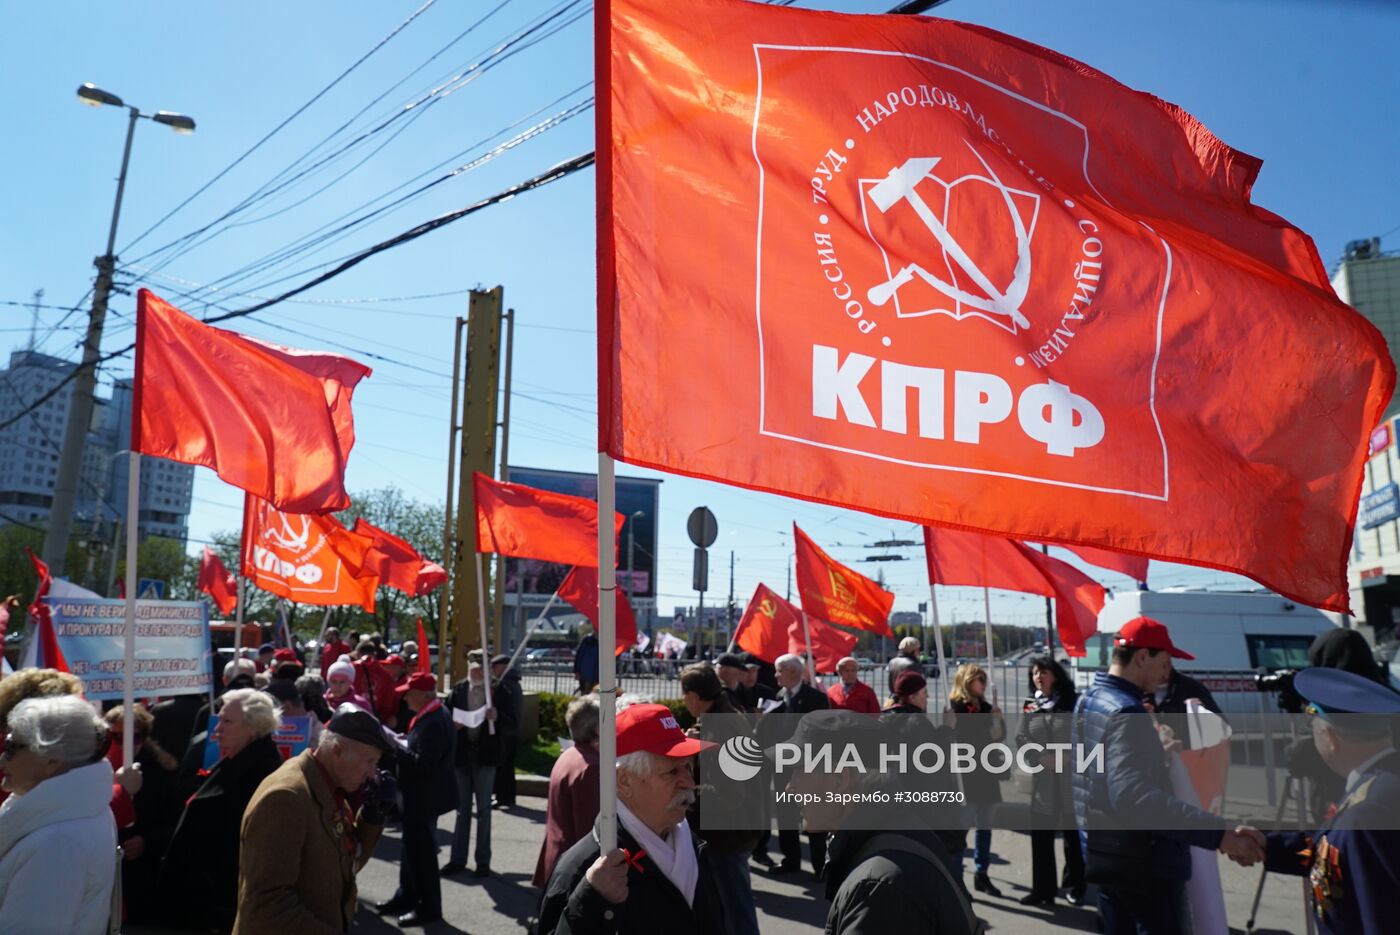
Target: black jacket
[
  {"x": 426, "y": 782},
  {"x": 1045, "y": 721},
  {"x": 728, "y": 805},
  {"x": 805, "y": 699},
  {"x": 570, "y": 906},
  {"x": 890, "y": 890},
  {"x": 199, "y": 879},
  {"x": 512, "y": 703},
  {"x": 979, "y": 729},
  {"x": 486, "y": 749},
  {"x": 1180, "y": 689}
]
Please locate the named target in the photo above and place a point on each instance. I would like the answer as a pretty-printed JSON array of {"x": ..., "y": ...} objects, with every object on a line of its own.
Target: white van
[{"x": 1224, "y": 630}]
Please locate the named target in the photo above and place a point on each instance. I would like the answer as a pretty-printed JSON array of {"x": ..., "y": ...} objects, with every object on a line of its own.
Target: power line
[{"x": 275, "y": 130}]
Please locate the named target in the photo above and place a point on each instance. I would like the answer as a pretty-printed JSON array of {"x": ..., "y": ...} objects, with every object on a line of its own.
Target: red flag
[
  {"x": 580, "y": 589},
  {"x": 425, "y": 662},
  {"x": 829, "y": 644},
  {"x": 218, "y": 582},
  {"x": 763, "y": 630},
  {"x": 396, "y": 563},
  {"x": 41, "y": 589},
  {"x": 971, "y": 559},
  {"x": 520, "y": 521},
  {"x": 832, "y": 592},
  {"x": 310, "y": 559},
  {"x": 981, "y": 284},
  {"x": 431, "y": 576},
  {"x": 1134, "y": 566},
  {"x": 1078, "y": 600},
  {"x": 271, "y": 420}
]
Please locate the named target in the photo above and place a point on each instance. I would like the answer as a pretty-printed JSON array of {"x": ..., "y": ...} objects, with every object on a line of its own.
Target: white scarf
[{"x": 674, "y": 856}]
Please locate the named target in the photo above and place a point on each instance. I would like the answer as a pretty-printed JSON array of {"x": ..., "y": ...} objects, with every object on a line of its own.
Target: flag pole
[
  {"x": 480, "y": 559},
  {"x": 133, "y": 506},
  {"x": 607, "y": 661},
  {"x": 943, "y": 674},
  {"x": 238, "y": 618},
  {"x": 807, "y": 638},
  {"x": 987, "y": 612},
  {"x": 530, "y": 631}
]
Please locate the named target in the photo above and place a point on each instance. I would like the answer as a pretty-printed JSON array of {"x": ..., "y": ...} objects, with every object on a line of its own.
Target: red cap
[
  {"x": 395, "y": 660},
  {"x": 653, "y": 728},
  {"x": 286, "y": 654},
  {"x": 418, "y": 682},
  {"x": 1146, "y": 633}
]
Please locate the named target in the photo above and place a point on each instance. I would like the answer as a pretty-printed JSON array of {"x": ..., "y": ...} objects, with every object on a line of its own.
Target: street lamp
[
  {"x": 631, "y": 544},
  {"x": 80, "y": 412}
]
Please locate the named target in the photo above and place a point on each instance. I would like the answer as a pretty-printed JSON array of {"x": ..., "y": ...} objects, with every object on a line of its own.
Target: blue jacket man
[
  {"x": 1353, "y": 860},
  {"x": 1141, "y": 873}
]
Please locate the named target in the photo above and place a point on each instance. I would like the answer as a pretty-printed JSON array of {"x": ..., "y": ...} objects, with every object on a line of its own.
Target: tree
[{"x": 164, "y": 560}]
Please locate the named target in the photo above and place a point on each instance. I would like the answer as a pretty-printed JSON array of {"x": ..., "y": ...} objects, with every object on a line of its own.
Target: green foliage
[
  {"x": 17, "y": 575},
  {"x": 537, "y": 756},
  {"x": 553, "y": 706}
]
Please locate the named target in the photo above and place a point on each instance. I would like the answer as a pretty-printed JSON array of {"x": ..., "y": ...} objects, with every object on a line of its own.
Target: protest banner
[
  {"x": 172, "y": 645},
  {"x": 291, "y": 738}
]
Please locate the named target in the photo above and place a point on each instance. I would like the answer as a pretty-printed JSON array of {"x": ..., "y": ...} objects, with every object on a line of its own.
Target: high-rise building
[
  {"x": 29, "y": 453},
  {"x": 1369, "y": 281}
]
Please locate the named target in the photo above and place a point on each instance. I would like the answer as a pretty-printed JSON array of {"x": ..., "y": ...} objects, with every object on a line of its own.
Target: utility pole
[
  {"x": 450, "y": 558},
  {"x": 499, "y": 604},
  {"x": 34, "y": 320},
  {"x": 476, "y": 448},
  {"x": 730, "y": 613},
  {"x": 70, "y": 462},
  {"x": 1049, "y": 617}
]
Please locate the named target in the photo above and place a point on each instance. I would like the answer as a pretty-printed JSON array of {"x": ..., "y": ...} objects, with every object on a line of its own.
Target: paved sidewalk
[{"x": 786, "y": 906}]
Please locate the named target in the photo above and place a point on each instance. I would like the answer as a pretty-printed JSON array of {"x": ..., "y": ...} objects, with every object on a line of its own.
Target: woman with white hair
[
  {"x": 200, "y": 873},
  {"x": 58, "y": 842}
]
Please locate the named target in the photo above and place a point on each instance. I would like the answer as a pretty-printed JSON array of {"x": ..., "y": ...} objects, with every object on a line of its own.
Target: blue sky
[{"x": 1307, "y": 86}]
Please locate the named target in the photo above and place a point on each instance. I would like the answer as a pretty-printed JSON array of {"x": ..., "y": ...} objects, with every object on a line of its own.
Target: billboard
[
  {"x": 172, "y": 645},
  {"x": 532, "y": 582}
]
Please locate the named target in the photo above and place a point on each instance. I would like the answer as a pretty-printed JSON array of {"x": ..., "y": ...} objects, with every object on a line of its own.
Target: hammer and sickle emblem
[
  {"x": 287, "y": 537},
  {"x": 900, "y": 185},
  {"x": 768, "y": 608}
]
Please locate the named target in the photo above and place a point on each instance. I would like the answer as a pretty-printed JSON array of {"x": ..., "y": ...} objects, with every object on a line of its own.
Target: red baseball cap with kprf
[
  {"x": 1146, "y": 633},
  {"x": 653, "y": 728}
]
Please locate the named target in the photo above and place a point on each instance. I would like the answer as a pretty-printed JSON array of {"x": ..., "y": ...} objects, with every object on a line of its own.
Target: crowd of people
[{"x": 213, "y": 828}]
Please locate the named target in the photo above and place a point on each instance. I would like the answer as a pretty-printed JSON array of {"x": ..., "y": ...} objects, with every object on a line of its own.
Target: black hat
[
  {"x": 355, "y": 723},
  {"x": 750, "y": 660},
  {"x": 500, "y": 659},
  {"x": 284, "y": 690},
  {"x": 733, "y": 660}
]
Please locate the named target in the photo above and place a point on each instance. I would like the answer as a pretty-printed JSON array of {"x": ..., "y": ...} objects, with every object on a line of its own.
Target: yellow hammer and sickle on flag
[
  {"x": 768, "y": 608},
  {"x": 840, "y": 588}
]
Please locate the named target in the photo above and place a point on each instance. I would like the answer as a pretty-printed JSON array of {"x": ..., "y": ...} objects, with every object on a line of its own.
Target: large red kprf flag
[
  {"x": 525, "y": 522},
  {"x": 830, "y": 591},
  {"x": 971, "y": 559},
  {"x": 580, "y": 590},
  {"x": 954, "y": 277},
  {"x": 269, "y": 419},
  {"x": 310, "y": 559},
  {"x": 218, "y": 582}
]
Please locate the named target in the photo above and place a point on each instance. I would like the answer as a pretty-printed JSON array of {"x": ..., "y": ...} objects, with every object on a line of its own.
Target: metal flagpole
[
  {"x": 944, "y": 675},
  {"x": 530, "y": 630},
  {"x": 607, "y": 662},
  {"x": 479, "y": 559},
  {"x": 238, "y": 618},
  {"x": 987, "y": 612},
  {"x": 133, "y": 506},
  {"x": 807, "y": 637}
]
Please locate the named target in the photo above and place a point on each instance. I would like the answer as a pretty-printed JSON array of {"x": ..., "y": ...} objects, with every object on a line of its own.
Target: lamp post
[
  {"x": 631, "y": 554},
  {"x": 80, "y": 411}
]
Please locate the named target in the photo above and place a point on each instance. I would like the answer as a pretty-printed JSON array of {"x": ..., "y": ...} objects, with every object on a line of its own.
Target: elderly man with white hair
[
  {"x": 58, "y": 842},
  {"x": 795, "y": 696},
  {"x": 851, "y": 694},
  {"x": 659, "y": 878},
  {"x": 909, "y": 658}
]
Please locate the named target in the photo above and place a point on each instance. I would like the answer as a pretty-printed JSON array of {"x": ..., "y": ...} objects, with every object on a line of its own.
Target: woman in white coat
[{"x": 58, "y": 842}]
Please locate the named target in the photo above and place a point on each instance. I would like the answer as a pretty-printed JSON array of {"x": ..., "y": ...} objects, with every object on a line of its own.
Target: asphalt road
[{"x": 501, "y": 904}]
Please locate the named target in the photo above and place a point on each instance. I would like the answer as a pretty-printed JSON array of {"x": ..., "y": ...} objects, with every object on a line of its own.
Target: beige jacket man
[{"x": 301, "y": 846}]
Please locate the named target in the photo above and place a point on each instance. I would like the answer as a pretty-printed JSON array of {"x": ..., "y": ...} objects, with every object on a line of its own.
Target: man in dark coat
[
  {"x": 476, "y": 760},
  {"x": 795, "y": 697},
  {"x": 507, "y": 726},
  {"x": 659, "y": 877},
  {"x": 199, "y": 878},
  {"x": 428, "y": 790}
]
